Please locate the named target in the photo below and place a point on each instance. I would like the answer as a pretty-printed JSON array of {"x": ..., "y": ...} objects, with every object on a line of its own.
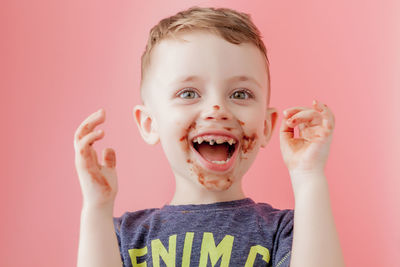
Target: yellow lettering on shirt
[
  {"x": 254, "y": 250},
  {"x": 158, "y": 250},
  {"x": 134, "y": 253},
  {"x": 187, "y": 249},
  {"x": 208, "y": 248}
]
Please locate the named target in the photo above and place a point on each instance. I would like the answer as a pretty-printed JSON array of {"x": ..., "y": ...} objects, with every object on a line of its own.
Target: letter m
[{"x": 223, "y": 250}]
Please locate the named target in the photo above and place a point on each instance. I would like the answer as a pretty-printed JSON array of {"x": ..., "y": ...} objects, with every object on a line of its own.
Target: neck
[{"x": 189, "y": 192}]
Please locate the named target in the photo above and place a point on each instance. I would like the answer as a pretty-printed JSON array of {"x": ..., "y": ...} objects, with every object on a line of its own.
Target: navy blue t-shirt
[{"x": 232, "y": 233}]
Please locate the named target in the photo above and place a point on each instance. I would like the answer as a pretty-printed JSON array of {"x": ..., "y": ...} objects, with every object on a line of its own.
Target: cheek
[
  {"x": 253, "y": 127},
  {"x": 176, "y": 124},
  {"x": 249, "y": 142},
  {"x": 250, "y": 115},
  {"x": 183, "y": 136}
]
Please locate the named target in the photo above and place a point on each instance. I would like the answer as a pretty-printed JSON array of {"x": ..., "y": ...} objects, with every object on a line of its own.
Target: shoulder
[
  {"x": 269, "y": 212},
  {"x": 130, "y": 219},
  {"x": 273, "y": 219}
]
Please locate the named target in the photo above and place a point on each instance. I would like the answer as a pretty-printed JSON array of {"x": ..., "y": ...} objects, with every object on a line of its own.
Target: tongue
[{"x": 213, "y": 152}]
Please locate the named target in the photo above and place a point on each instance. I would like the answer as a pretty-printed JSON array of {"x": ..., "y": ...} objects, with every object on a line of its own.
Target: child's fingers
[
  {"x": 84, "y": 144},
  {"x": 327, "y": 114},
  {"x": 320, "y": 106},
  {"x": 89, "y": 124},
  {"x": 314, "y": 133},
  {"x": 90, "y": 138},
  {"x": 329, "y": 122},
  {"x": 94, "y": 157},
  {"x": 316, "y": 105},
  {"x": 109, "y": 157},
  {"x": 286, "y": 132},
  {"x": 310, "y": 117},
  {"x": 287, "y": 113}
]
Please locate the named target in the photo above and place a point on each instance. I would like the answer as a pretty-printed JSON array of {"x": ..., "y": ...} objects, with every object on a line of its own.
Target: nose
[{"x": 216, "y": 112}]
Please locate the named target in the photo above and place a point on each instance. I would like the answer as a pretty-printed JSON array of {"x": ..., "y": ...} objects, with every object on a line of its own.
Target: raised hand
[
  {"x": 309, "y": 152},
  {"x": 98, "y": 181}
]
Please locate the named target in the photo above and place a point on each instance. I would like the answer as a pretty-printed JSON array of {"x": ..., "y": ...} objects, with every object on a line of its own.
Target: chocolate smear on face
[
  {"x": 218, "y": 184},
  {"x": 248, "y": 142},
  {"x": 184, "y": 138},
  {"x": 223, "y": 182}
]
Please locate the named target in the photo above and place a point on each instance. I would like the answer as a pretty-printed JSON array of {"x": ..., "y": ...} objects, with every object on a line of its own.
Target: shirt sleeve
[
  {"x": 283, "y": 241},
  {"x": 117, "y": 227}
]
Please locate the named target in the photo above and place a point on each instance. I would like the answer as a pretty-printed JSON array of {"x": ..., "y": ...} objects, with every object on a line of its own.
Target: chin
[{"x": 217, "y": 185}]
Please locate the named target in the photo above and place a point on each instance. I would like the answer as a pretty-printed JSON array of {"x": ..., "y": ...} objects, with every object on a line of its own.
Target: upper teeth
[{"x": 213, "y": 140}]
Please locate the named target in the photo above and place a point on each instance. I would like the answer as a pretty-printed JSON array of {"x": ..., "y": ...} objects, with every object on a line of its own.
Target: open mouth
[{"x": 215, "y": 151}]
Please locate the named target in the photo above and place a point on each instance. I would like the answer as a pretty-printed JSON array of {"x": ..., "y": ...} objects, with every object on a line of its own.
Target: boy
[{"x": 205, "y": 89}]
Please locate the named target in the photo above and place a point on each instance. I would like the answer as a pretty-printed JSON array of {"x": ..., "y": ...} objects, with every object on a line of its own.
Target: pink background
[{"x": 62, "y": 60}]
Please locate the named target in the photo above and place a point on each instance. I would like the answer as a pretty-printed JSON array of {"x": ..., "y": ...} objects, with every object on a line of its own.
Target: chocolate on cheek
[
  {"x": 248, "y": 142},
  {"x": 184, "y": 138},
  {"x": 185, "y": 144}
]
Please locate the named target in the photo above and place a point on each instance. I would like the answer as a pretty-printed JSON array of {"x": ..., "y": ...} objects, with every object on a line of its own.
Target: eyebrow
[{"x": 237, "y": 78}]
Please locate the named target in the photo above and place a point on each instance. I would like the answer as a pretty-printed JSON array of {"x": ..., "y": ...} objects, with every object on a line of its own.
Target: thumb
[
  {"x": 286, "y": 133},
  {"x": 109, "y": 157}
]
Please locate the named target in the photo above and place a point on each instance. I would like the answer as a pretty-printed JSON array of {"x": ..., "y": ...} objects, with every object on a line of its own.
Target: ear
[
  {"x": 271, "y": 118},
  {"x": 146, "y": 124}
]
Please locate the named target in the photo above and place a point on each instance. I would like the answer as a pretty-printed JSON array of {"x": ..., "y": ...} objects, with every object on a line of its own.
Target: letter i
[{"x": 187, "y": 249}]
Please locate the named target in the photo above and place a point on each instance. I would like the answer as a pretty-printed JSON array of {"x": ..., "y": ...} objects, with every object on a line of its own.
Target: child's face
[{"x": 214, "y": 105}]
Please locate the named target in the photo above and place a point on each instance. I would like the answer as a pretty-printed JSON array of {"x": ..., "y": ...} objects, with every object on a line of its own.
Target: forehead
[{"x": 208, "y": 56}]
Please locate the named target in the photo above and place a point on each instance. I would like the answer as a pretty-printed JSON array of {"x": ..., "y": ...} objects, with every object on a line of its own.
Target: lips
[{"x": 216, "y": 151}]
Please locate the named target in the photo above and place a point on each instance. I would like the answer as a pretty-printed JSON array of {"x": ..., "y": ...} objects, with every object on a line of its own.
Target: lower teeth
[{"x": 220, "y": 161}]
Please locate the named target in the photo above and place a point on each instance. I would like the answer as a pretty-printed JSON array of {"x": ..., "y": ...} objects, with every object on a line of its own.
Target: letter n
[{"x": 158, "y": 250}]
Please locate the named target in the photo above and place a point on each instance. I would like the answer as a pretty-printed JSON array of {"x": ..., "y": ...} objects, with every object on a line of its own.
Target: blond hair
[{"x": 233, "y": 26}]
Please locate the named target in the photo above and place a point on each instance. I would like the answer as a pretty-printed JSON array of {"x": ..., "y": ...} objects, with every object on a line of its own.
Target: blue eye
[
  {"x": 242, "y": 94},
  {"x": 188, "y": 94}
]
